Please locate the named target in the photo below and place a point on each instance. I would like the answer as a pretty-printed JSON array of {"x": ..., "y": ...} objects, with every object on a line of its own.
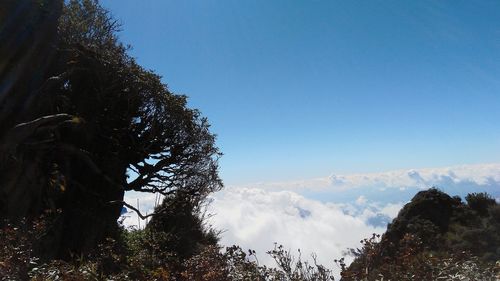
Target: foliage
[
  {"x": 480, "y": 202},
  {"x": 139, "y": 256},
  {"x": 236, "y": 264},
  {"x": 182, "y": 219},
  {"x": 411, "y": 262},
  {"x": 96, "y": 124},
  {"x": 166, "y": 145},
  {"x": 16, "y": 252},
  {"x": 289, "y": 269},
  {"x": 434, "y": 235}
]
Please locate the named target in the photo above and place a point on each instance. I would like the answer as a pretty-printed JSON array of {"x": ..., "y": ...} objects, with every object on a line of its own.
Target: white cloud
[
  {"x": 480, "y": 175},
  {"x": 361, "y": 200},
  {"x": 391, "y": 210},
  {"x": 255, "y": 218}
]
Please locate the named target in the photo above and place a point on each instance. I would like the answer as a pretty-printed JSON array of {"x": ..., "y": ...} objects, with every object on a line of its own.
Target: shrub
[{"x": 480, "y": 202}]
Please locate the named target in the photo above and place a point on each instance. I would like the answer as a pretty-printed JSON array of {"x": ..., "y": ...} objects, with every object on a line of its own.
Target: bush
[
  {"x": 495, "y": 214},
  {"x": 480, "y": 202}
]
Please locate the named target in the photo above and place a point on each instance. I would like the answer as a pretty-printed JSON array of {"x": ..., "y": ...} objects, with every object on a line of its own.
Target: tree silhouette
[{"x": 82, "y": 123}]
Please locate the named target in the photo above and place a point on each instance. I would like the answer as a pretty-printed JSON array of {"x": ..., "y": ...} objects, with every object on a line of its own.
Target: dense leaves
[
  {"x": 92, "y": 125},
  {"x": 480, "y": 202}
]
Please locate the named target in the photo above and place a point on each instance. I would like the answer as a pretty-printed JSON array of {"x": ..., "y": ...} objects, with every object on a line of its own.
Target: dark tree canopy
[{"x": 91, "y": 125}]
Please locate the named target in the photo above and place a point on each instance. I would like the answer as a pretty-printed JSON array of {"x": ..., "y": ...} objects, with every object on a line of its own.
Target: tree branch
[{"x": 143, "y": 217}]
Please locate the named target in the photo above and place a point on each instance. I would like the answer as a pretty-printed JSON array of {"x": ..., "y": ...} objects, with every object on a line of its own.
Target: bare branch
[{"x": 143, "y": 217}]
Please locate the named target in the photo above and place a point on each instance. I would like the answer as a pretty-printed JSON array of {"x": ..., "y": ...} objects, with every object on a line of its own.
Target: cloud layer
[
  {"x": 256, "y": 218},
  {"x": 481, "y": 175},
  {"x": 325, "y": 215}
]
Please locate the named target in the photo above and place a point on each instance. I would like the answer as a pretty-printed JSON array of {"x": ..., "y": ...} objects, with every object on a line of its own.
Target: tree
[{"x": 95, "y": 125}]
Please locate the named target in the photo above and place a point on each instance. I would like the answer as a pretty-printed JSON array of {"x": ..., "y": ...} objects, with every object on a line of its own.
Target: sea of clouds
[{"x": 328, "y": 215}]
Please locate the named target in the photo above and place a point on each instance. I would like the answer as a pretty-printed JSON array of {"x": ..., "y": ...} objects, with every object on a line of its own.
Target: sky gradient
[{"x": 303, "y": 89}]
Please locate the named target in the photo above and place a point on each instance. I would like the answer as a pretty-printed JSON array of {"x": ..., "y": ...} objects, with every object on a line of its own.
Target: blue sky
[{"x": 301, "y": 89}]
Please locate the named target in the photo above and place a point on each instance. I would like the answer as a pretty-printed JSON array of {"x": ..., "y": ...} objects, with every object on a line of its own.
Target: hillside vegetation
[{"x": 434, "y": 236}]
